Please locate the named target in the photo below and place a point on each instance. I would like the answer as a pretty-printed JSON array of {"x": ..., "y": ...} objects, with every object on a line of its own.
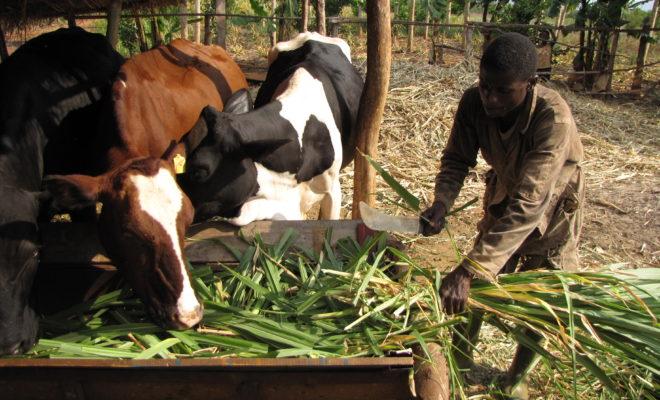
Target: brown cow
[{"x": 156, "y": 98}]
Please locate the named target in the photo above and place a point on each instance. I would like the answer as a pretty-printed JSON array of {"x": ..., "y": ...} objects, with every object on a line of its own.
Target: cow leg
[
  {"x": 331, "y": 203},
  {"x": 260, "y": 209}
]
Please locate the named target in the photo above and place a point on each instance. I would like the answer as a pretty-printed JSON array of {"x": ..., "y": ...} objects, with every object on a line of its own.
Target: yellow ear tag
[{"x": 179, "y": 164}]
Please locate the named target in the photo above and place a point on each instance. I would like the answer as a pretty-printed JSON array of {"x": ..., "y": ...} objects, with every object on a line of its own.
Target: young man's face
[{"x": 501, "y": 92}]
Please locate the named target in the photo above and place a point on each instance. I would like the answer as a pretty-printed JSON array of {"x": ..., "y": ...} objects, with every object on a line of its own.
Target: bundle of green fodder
[{"x": 280, "y": 301}]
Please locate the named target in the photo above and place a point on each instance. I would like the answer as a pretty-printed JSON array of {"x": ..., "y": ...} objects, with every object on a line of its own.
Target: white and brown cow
[
  {"x": 277, "y": 161},
  {"x": 127, "y": 166}
]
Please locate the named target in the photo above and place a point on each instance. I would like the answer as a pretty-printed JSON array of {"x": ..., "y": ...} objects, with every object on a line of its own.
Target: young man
[{"x": 534, "y": 190}]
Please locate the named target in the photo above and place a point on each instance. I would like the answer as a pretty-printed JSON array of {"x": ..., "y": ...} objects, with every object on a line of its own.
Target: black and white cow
[
  {"x": 47, "y": 87},
  {"x": 278, "y": 160}
]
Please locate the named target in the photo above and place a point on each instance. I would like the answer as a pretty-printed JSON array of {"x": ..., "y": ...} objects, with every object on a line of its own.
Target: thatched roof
[{"x": 16, "y": 13}]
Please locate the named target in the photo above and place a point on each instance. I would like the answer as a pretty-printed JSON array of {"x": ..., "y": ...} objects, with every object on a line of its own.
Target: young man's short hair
[{"x": 511, "y": 53}]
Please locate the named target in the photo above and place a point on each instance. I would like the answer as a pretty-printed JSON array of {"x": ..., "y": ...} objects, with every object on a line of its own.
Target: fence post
[
  {"x": 610, "y": 64},
  {"x": 207, "y": 29},
  {"x": 641, "y": 52},
  {"x": 4, "y": 54},
  {"x": 140, "y": 34},
  {"x": 333, "y": 26},
  {"x": 183, "y": 20},
  {"x": 196, "y": 28},
  {"x": 320, "y": 17},
  {"x": 221, "y": 23},
  {"x": 156, "y": 37},
  {"x": 114, "y": 15},
  {"x": 71, "y": 21},
  {"x": 466, "y": 28},
  {"x": 411, "y": 27},
  {"x": 273, "y": 23},
  {"x": 372, "y": 101},
  {"x": 305, "y": 16},
  {"x": 468, "y": 41}
]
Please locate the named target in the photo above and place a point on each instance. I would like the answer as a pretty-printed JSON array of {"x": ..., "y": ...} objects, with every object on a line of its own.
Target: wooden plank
[
  {"x": 75, "y": 243},
  {"x": 216, "y": 363},
  {"x": 144, "y": 383}
]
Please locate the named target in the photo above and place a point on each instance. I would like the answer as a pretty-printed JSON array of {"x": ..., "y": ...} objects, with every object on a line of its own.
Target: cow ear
[
  {"x": 194, "y": 137},
  {"x": 70, "y": 192},
  {"x": 239, "y": 102}
]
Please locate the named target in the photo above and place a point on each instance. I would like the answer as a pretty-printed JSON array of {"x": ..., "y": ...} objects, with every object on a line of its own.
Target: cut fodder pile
[{"x": 279, "y": 301}]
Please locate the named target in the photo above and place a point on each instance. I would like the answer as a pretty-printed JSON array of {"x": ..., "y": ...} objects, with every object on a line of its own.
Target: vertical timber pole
[
  {"x": 207, "y": 29},
  {"x": 320, "y": 17},
  {"x": 156, "y": 37},
  {"x": 114, "y": 16},
  {"x": 183, "y": 19},
  {"x": 71, "y": 21},
  {"x": 197, "y": 32},
  {"x": 654, "y": 19},
  {"x": 641, "y": 52},
  {"x": 140, "y": 34},
  {"x": 4, "y": 54},
  {"x": 466, "y": 20},
  {"x": 610, "y": 64},
  {"x": 221, "y": 23},
  {"x": 372, "y": 102},
  {"x": 304, "y": 17},
  {"x": 411, "y": 27},
  {"x": 273, "y": 23}
]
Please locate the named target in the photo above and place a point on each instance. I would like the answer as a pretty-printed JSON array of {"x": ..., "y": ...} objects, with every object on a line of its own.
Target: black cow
[
  {"x": 49, "y": 85},
  {"x": 277, "y": 161}
]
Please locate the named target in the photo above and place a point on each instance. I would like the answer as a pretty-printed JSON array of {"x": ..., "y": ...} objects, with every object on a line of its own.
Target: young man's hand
[
  {"x": 432, "y": 219},
  {"x": 454, "y": 290}
]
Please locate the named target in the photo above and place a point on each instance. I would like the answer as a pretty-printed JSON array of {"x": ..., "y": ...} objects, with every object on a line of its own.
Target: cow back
[
  {"x": 159, "y": 95},
  {"x": 342, "y": 84}
]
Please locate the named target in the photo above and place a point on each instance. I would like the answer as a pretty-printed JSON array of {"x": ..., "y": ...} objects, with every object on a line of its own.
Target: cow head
[
  {"x": 18, "y": 265},
  {"x": 213, "y": 135},
  {"x": 142, "y": 224}
]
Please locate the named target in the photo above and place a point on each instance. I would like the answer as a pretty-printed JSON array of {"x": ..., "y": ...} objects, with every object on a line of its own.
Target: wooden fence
[{"x": 469, "y": 30}]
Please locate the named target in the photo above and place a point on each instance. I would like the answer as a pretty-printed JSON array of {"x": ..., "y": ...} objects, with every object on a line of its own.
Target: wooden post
[
  {"x": 610, "y": 64},
  {"x": 448, "y": 12},
  {"x": 561, "y": 17},
  {"x": 114, "y": 15},
  {"x": 197, "y": 29},
  {"x": 654, "y": 19},
  {"x": 320, "y": 17},
  {"x": 4, "y": 54},
  {"x": 221, "y": 23},
  {"x": 427, "y": 19},
  {"x": 71, "y": 21},
  {"x": 183, "y": 20},
  {"x": 372, "y": 102},
  {"x": 273, "y": 34},
  {"x": 304, "y": 16},
  {"x": 142, "y": 40},
  {"x": 207, "y": 29},
  {"x": 641, "y": 52},
  {"x": 466, "y": 19},
  {"x": 360, "y": 14},
  {"x": 411, "y": 27},
  {"x": 156, "y": 37},
  {"x": 333, "y": 26},
  {"x": 468, "y": 42}
]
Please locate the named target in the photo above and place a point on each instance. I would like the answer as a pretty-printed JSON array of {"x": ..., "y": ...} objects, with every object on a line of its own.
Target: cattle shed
[{"x": 300, "y": 378}]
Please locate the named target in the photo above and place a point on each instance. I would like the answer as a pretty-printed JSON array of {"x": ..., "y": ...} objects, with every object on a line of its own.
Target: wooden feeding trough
[{"x": 66, "y": 273}]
